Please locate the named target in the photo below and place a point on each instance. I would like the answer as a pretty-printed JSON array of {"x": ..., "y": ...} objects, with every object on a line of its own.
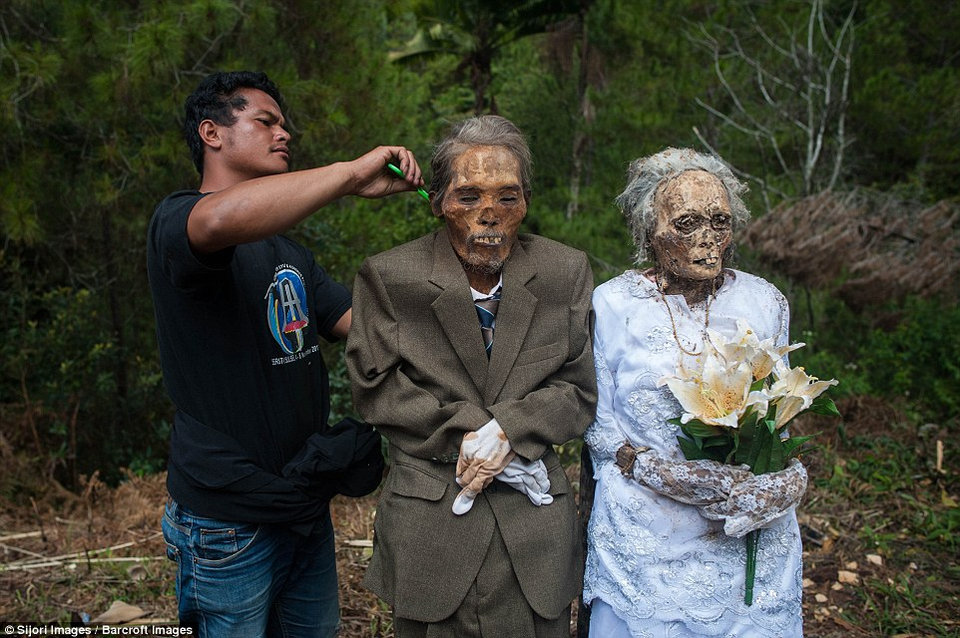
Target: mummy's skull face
[
  {"x": 694, "y": 226},
  {"x": 483, "y": 207}
]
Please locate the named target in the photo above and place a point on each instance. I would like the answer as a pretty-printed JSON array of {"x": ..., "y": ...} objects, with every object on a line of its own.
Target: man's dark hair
[{"x": 216, "y": 99}]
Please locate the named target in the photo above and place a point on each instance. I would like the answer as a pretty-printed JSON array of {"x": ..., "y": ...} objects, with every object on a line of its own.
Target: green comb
[{"x": 397, "y": 170}]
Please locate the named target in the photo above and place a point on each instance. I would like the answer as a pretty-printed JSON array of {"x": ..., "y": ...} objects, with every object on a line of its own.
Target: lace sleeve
[
  {"x": 604, "y": 436},
  {"x": 692, "y": 482},
  {"x": 759, "y": 500}
]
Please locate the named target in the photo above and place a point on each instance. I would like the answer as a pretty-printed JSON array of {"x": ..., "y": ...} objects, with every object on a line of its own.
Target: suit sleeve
[
  {"x": 384, "y": 395},
  {"x": 563, "y": 406}
]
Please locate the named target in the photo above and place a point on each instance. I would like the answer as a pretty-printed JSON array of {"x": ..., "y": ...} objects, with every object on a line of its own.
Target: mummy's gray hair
[
  {"x": 647, "y": 174},
  {"x": 484, "y": 130}
]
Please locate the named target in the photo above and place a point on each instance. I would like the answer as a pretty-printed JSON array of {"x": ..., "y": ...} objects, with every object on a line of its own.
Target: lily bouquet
[{"x": 737, "y": 399}]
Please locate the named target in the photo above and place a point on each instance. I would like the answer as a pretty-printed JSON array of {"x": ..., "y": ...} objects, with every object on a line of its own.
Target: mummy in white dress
[{"x": 655, "y": 566}]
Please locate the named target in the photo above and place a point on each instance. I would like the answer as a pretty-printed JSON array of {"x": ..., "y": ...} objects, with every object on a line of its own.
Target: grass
[
  {"x": 83, "y": 591},
  {"x": 881, "y": 506},
  {"x": 884, "y": 497}
]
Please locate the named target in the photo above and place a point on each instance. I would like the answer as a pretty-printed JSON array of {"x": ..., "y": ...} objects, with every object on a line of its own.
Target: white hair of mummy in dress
[{"x": 647, "y": 174}]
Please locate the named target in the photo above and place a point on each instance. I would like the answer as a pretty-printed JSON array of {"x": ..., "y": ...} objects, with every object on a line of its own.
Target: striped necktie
[{"x": 487, "y": 313}]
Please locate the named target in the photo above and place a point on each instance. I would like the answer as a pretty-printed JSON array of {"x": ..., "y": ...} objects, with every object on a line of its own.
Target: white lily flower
[
  {"x": 770, "y": 355},
  {"x": 719, "y": 395},
  {"x": 787, "y": 408},
  {"x": 746, "y": 346},
  {"x": 794, "y": 391}
]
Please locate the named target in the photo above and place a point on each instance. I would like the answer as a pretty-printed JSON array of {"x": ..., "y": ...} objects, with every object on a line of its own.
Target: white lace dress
[{"x": 663, "y": 568}]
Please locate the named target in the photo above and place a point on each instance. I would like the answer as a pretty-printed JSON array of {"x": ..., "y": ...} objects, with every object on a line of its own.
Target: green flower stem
[{"x": 753, "y": 545}]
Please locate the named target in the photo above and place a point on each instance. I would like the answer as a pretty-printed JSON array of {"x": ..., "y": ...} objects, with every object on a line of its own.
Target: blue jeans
[{"x": 242, "y": 580}]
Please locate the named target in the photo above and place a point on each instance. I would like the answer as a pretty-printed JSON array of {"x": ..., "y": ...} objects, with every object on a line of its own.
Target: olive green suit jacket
[{"x": 420, "y": 374}]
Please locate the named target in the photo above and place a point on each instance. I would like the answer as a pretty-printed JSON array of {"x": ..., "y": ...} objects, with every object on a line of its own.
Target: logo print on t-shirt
[{"x": 287, "y": 311}]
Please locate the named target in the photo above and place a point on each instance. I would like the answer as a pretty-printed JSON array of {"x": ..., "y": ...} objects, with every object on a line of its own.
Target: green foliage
[
  {"x": 877, "y": 468},
  {"x": 756, "y": 442},
  {"x": 570, "y": 453},
  {"x": 906, "y": 97},
  {"x": 903, "y": 606},
  {"x": 91, "y": 95},
  {"x": 919, "y": 360},
  {"x": 916, "y": 363},
  {"x": 62, "y": 363},
  {"x": 598, "y": 229},
  {"x": 782, "y": 71},
  {"x": 473, "y": 33}
]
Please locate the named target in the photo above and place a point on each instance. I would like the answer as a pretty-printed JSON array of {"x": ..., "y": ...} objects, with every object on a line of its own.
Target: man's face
[
  {"x": 693, "y": 226},
  {"x": 483, "y": 207},
  {"x": 256, "y": 144}
]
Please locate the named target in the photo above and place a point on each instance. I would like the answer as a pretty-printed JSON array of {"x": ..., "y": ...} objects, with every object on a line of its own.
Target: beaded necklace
[{"x": 673, "y": 324}]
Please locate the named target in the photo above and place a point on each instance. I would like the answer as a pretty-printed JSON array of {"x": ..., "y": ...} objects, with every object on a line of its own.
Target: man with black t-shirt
[{"x": 240, "y": 310}]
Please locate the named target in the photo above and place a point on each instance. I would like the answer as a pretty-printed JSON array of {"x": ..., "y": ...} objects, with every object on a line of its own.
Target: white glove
[
  {"x": 760, "y": 499},
  {"x": 529, "y": 477},
  {"x": 483, "y": 455}
]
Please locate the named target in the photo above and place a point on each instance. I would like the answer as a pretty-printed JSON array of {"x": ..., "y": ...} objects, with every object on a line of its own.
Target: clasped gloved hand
[
  {"x": 759, "y": 500},
  {"x": 529, "y": 477},
  {"x": 699, "y": 482},
  {"x": 744, "y": 501},
  {"x": 483, "y": 454}
]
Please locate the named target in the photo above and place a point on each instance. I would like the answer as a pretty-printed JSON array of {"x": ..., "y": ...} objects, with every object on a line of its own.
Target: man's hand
[
  {"x": 483, "y": 455},
  {"x": 372, "y": 179}
]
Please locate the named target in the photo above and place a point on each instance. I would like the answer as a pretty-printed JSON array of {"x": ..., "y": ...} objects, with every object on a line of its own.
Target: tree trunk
[
  {"x": 481, "y": 76},
  {"x": 108, "y": 249},
  {"x": 581, "y": 140}
]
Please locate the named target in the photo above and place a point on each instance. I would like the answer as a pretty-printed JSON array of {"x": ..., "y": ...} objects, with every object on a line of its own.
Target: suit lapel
[
  {"x": 514, "y": 315},
  {"x": 455, "y": 310}
]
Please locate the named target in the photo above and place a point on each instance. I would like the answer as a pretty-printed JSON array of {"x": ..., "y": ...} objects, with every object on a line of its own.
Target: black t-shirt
[{"x": 238, "y": 334}]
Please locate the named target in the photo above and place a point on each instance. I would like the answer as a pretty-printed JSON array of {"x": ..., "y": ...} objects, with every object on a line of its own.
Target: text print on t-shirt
[{"x": 287, "y": 312}]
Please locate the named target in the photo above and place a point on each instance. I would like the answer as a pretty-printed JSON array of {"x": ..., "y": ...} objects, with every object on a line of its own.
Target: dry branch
[
  {"x": 12, "y": 537},
  {"x": 792, "y": 99},
  {"x": 74, "y": 561},
  {"x": 83, "y": 556}
]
